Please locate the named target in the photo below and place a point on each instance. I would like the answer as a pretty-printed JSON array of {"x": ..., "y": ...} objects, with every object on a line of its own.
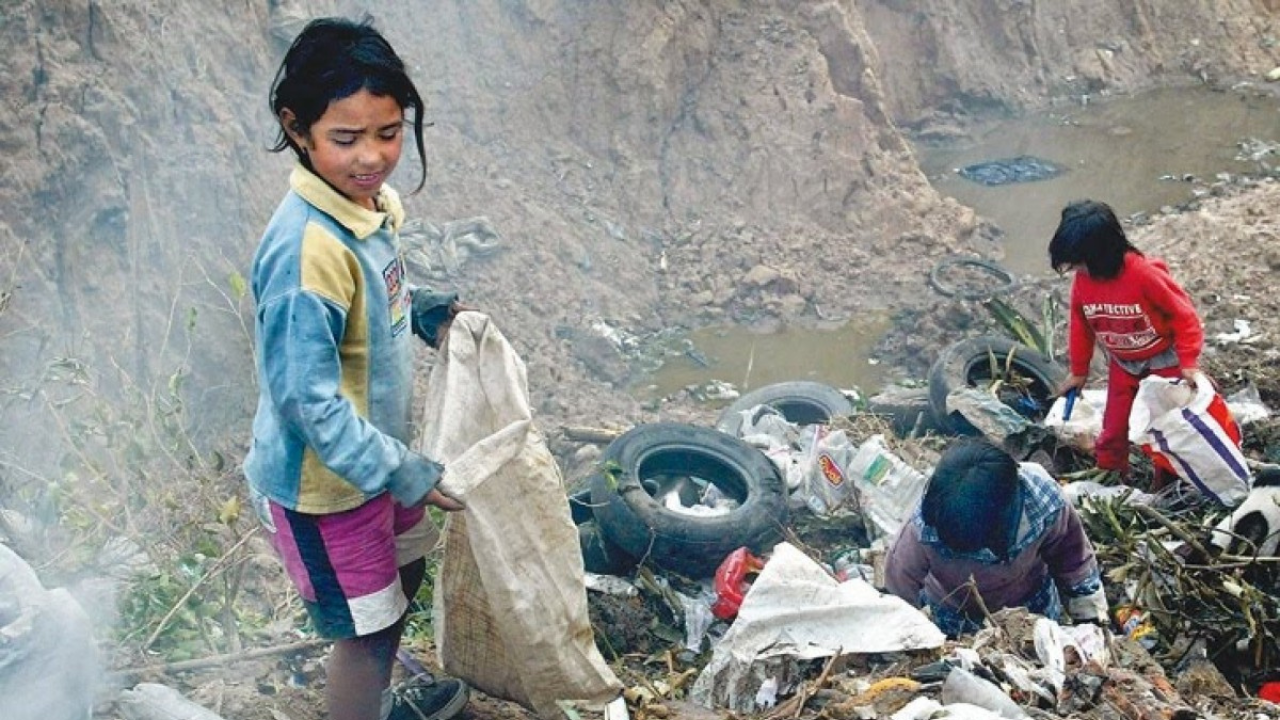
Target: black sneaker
[{"x": 428, "y": 698}]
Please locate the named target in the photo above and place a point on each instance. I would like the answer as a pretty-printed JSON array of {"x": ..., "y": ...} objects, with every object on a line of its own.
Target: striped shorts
[{"x": 346, "y": 565}]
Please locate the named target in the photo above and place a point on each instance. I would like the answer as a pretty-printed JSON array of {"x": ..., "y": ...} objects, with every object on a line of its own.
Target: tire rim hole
[
  {"x": 1028, "y": 396},
  {"x": 802, "y": 413},
  {"x": 689, "y": 476}
]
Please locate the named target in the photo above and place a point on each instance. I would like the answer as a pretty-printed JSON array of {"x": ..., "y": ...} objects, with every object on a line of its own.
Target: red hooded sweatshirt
[{"x": 1136, "y": 315}]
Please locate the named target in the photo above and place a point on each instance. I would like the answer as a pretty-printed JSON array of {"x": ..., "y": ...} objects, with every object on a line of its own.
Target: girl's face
[{"x": 355, "y": 144}]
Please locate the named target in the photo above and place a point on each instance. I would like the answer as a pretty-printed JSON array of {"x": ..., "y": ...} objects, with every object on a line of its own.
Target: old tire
[
  {"x": 802, "y": 402},
  {"x": 1001, "y": 280},
  {"x": 636, "y": 522},
  {"x": 600, "y": 556},
  {"x": 968, "y": 363}
]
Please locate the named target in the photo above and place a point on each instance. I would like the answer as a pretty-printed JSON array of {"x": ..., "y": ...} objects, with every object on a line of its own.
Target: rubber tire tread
[
  {"x": 694, "y": 546},
  {"x": 803, "y": 402},
  {"x": 952, "y": 369},
  {"x": 994, "y": 269}
]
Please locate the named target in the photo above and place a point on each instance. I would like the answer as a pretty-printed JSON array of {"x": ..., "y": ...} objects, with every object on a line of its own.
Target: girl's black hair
[
  {"x": 1090, "y": 234},
  {"x": 334, "y": 58},
  {"x": 974, "y": 500}
]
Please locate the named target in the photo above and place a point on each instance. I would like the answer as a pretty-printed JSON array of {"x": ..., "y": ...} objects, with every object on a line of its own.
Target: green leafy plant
[
  {"x": 133, "y": 476},
  {"x": 1018, "y": 327}
]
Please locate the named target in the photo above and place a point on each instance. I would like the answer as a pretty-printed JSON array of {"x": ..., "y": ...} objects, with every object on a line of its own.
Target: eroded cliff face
[
  {"x": 644, "y": 163},
  {"x": 1010, "y": 55}
]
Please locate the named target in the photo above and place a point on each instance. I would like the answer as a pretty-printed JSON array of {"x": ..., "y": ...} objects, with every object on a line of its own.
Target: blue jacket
[{"x": 334, "y": 358}]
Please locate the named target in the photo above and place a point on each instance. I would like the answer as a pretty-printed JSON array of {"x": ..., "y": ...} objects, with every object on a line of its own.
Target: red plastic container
[{"x": 732, "y": 583}]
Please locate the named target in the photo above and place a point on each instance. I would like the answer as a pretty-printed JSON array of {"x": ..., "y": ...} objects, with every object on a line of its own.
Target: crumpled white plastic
[{"x": 796, "y": 610}]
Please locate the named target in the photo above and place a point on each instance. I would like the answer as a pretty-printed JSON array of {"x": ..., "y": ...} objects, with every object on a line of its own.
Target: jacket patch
[{"x": 397, "y": 296}]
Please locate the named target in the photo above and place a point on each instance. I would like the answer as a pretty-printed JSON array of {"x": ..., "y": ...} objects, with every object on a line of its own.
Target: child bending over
[{"x": 992, "y": 533}]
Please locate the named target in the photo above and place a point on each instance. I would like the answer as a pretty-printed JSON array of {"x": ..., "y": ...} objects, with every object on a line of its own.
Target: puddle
[
  {"x": 1113, "y": 149},
  {"x": 748, "y": 360}
]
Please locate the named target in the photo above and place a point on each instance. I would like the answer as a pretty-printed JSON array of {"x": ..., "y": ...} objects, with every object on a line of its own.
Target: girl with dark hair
[
  {"x": 993, "y": 533},
  {"x": 1132, "y": 307},
  {"x": 330, "y": 472}
]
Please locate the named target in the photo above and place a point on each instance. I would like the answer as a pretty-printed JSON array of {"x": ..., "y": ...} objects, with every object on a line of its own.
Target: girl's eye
[
  {"x": 344, "y": 141},
  {"x": 391, "y": 134}
]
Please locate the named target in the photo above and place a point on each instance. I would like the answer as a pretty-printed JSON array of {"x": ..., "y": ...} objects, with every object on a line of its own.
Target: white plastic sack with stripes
[
  {"x": 510, "y": 597},
  {"x": 1193, "y": 430}
]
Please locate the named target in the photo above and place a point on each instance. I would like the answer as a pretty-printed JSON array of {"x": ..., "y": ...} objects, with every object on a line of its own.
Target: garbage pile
[{"x": 793, "y": 621}]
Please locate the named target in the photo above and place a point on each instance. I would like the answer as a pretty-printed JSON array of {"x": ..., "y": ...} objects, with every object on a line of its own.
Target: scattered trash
[
  {"x": 963, "y": 687},
  {"x": 1242, "y": 334},
  {"x": 698, "y": 617},
  {"x": 796, "y": 610},
  {"x": 767, "y": 695},
  {"x": 1246, "y": 405},
  {"x": 888, "y": 488},
  {"x": 829, "y": 454},
  {"x": 731, "y": 582},
  {"x": 1081, "y": 491},
  {"x": 1135, "y": 625},
  {"x": 1023, "y": 168},
  {"x": 48, "y": 659},
  {"x": 153, "y": 701},
  {"x": 610, "y": 584},
  {"x": 985, "y": 412},
  {"x": 1080, "y": 427}
]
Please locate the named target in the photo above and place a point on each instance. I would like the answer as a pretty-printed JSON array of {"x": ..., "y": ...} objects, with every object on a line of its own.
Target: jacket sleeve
[
  {"x": 1069, "y": 555},
  {"x": 1173, "y": 304},
  {"x": 906, "y": 566},
  {"x": 301, "y": 332},
  {"x": 1080, "y": 339}
]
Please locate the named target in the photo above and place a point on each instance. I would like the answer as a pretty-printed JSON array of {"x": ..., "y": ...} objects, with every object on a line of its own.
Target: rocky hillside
[{"x": 645, "y": 164}]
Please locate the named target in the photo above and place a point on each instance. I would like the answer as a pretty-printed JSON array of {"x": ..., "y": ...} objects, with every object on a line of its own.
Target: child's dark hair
[
  {"x": 973, "y": 499},
  {"x": 334, "y": 58},
  {"x": 1090, "y": 234}
]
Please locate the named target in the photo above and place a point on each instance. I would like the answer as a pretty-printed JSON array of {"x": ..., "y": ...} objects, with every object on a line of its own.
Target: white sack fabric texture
[
  {"x": 510, "y": 600},
  {"x": 1187, "y": 427}
]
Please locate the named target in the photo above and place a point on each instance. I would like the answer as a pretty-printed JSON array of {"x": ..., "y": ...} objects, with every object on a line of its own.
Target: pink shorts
[{"x": 346, "y": 565}]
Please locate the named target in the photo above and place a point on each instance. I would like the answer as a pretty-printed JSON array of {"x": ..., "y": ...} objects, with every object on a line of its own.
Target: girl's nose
[{"x": 369, "y": 154}]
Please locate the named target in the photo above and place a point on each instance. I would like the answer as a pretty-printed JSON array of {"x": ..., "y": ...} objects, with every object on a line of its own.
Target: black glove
[{"x": 429, "y": 311}]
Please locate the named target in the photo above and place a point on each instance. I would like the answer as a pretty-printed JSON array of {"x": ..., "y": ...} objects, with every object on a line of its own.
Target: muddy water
[
  {"x": 751, "y": 360},
  {"x": 1138, "y": 153}
]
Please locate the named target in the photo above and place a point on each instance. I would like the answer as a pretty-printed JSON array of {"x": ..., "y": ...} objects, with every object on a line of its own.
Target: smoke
[{"x": 48, "y": 658}]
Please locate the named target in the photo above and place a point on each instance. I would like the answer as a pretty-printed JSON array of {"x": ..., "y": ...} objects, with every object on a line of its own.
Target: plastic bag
[
  {"x": 1191, "y": 432},
  {"x": 826, "y": 486},
  {"x": 1079, "y": 430},
  {"x": 888, "y": 488},
  {"x": 48, "y": 659}
]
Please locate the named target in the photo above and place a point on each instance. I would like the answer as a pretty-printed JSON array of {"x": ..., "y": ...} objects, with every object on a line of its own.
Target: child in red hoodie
[{"x": 1131, "y": 306}]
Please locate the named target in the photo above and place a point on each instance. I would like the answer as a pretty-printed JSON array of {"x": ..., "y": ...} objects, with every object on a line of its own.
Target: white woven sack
[
  {"x": 510, "y": 599},
  {"x": 1177, "y": 423}
]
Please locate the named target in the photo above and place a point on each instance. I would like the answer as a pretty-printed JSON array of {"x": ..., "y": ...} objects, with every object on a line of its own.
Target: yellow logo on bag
[{"x": 830, "y": 470}]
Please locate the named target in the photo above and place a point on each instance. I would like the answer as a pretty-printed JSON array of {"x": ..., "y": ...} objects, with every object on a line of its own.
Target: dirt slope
[
  {"x": 646, "y": 164},
  {"x": 639, "y": 160}
]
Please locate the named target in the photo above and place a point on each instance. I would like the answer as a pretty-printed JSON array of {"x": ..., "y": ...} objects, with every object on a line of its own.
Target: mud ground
[{"x": 1225, "y": 248}]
